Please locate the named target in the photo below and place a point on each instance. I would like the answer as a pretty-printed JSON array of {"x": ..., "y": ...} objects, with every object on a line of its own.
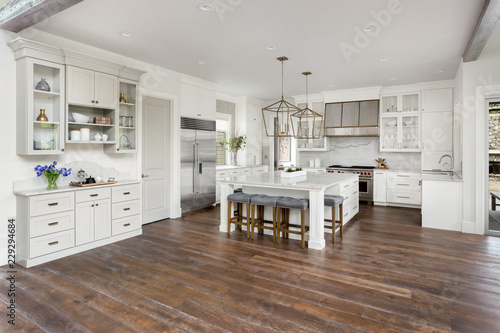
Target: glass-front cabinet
[
  {"x": 126, "y": 132},
  {"x": 400, "y": 132},
  {"x": 313, "y": 144},
  {"x": 408, "y": 102},
  {"x": 40, "y": 103}
]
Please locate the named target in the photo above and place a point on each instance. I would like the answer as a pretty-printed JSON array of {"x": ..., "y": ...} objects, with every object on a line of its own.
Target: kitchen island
[{"x": 312, "y": 186}]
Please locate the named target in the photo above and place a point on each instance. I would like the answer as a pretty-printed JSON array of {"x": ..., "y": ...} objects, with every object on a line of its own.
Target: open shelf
[
  {"x": 93, "y": 142},
  {"x": 90, "y": 124},
  {"x": 127, "y": 104},
  {"x": 46, "y": 93}
]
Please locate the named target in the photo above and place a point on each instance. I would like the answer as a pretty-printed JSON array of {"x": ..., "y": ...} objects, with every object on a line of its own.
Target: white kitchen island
[{"x": 313, "y": 186}]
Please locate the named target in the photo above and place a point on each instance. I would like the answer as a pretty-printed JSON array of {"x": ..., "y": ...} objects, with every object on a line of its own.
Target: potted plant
[
  {"x": 234, "y": 145},
  {"x": 51, "y": 173}
]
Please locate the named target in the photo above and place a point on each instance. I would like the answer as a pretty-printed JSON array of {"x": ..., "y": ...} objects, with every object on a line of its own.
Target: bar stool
[
  {"x": 262, "y": 201},
  {"x": 334, "y": 201},
  {"x": 284, "y": 226},
  {"x": 239, "y": 199}
]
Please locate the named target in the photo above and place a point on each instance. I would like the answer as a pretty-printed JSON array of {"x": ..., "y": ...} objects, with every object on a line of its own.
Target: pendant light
[
  {"x": 277, "y": 115},
  {"x": 307, "y": 123}
]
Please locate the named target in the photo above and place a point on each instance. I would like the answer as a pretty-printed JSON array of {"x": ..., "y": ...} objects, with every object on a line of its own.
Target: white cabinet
[
  {"x": 379, "y": 187},
  {"x": 36, "y": 135},
  {"x": 126, "y": 209},
  {"x": 437, "y": 128},
  {"x": 437, "y": 100},
  {"x": 406, "y": 102},
  {"x": 400, "y": 132},
  {"x": 93, "y": 217},
  {"x": 197, "y": 102},
  {"x": 442, "y": 205},
  {"x": 404, "y": 188},
  {"x": 92, "y": 89}
]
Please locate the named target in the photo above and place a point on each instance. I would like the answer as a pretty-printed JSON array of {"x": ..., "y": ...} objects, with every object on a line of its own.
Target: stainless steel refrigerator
[{"x": 198, "y": 140}]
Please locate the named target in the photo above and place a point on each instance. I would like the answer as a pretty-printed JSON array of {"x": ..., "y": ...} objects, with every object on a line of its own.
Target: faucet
[{"x": 450, "y": 167}]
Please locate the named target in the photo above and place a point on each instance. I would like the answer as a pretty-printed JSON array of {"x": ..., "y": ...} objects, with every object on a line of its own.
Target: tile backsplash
[{"x": 359, "y": 151}]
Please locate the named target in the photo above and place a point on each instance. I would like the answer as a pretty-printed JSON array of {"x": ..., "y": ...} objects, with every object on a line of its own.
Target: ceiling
[{"x": 422, "y": 40}]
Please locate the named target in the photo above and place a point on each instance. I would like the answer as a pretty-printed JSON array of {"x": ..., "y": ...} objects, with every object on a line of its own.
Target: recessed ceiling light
[
  {"x": 369, "y": 28},
  {"x": 383, "y": 60},
  {"x": 439, "y": 71},
  {"x": 126, "y": 34},
  {"x": 270, "y": 47},
  {"x": 202, "y": 62},
  {"x": 393, "y": 78},
  {"x": 206, "y": 7}
]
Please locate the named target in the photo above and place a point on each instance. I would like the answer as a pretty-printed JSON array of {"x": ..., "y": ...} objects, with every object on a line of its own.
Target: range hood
[{"x": 355, "y": 118}]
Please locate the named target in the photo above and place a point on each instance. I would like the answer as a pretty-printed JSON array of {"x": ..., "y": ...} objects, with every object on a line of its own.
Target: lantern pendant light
[
  {"x": 276, "y": 116},
  {"x": 307, "y": 123}
]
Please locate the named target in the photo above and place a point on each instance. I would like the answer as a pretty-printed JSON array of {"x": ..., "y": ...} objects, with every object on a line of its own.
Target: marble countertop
[
  {"x": 224, "y": 167},
  {"x": 400, "y": 170},
  {"x": 441, "y": 176},
  {"x": 66, "y": 188},
  {"x": 311, "y": 181}
]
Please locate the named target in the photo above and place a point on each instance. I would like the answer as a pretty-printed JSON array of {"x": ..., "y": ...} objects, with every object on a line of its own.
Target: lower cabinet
[
  {"x": 52, "y": 226},
  {"x": 93, "y": 221},
  {"x": 379, "y": 187},
  {"x": 393, "y": 188}
]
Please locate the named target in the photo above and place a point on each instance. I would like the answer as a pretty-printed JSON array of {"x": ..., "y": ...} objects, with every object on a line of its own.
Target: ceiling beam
[
  {"x": 483, "y": 30},
  {"x": 17, "y": 15}
]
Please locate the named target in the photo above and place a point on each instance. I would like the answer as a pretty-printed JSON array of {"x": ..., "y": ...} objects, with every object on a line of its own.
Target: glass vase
[
  {"x": 235, "y": 157},
  {"x": 52, "y": 180}
]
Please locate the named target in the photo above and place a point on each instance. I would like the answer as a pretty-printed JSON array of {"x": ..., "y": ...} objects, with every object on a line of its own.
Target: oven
[{"x": 365, "y": 179}]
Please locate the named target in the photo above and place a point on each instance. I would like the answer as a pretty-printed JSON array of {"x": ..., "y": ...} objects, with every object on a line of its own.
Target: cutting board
[{"x": 95, "y": 184}]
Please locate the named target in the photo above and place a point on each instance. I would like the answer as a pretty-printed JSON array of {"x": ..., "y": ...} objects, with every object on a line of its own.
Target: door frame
[
  {"x": 175, "y": 149},
  {"x": 483, "y": 95}
]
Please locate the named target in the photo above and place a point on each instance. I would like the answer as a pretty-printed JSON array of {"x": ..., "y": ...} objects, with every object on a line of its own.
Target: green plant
[
  {"x": 298, "y": 169},
  {"x": 290, "y": 170},
  {"x": 236, "y": 143}
]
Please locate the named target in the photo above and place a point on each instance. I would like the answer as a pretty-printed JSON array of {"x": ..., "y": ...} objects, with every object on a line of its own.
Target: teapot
[{"x": 81, "y": 175}]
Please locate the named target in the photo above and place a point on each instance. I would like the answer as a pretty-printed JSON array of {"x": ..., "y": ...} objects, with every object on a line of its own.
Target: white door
[
  {"x": 155, "y": 159},
  {"x": 102, "y": 219},
  {"x": 106, "y": 92},
  {"x": 84, "y": 223},
  {"x": 80, "y": 86}
]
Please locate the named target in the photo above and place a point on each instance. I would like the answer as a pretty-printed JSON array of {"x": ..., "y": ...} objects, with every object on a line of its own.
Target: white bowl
[
  {"x": 408, "y": 122},
  {"x": 80, "y": 118},
  {"x": 391, "y": 123}
]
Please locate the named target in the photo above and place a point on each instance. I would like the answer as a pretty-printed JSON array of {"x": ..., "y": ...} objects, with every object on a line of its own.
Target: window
[
  {"x": 223, "y": 128},
  {"x": 220, "y": 157}
]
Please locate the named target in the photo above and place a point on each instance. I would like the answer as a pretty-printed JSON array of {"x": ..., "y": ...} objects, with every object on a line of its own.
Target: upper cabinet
[
  {"x": 406, "y": 102},
  {"x": 92, "y": 89},
  {"x": 40, "y": 107},
  {"x": 197, "y": 102},
  {"x": 437, "y": 100}
]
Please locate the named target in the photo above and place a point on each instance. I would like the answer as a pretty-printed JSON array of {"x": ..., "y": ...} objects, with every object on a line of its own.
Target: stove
[{"x": 365, "y": 173}]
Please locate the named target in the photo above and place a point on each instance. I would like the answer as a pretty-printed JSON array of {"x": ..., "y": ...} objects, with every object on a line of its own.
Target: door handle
[
  {"x": 145, "y": 176},
  {"x": 194, "y": 167},
  {"x": 200, "y": 168}
]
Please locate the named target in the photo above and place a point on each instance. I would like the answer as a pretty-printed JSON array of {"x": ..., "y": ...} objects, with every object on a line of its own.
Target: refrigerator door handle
[
  {"x": 199, "y": 167},
  {"x": 194, "y": 168}
]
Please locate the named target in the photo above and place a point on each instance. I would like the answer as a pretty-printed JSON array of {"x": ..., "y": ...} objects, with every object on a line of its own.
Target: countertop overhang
[{"x": 67, "y": 188}]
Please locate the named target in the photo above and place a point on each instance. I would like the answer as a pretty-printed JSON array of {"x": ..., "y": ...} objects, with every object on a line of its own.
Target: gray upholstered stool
[
  {"x": 239, "y": 199},
  {"x": 258, "y": 222},
  {"x": 284, "y": 226},
  {"x": 335, "y": 201}
]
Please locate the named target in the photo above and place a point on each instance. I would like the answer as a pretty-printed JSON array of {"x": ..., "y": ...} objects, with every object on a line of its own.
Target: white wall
[
  {"x": 478, "y": 76},
  {"x": 157, "y": 81}
]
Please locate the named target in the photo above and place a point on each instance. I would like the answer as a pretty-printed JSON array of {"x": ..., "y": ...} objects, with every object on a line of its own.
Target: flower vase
[
  {"x": 52, "y": 180},
  {"x": 235, "y": 157}
]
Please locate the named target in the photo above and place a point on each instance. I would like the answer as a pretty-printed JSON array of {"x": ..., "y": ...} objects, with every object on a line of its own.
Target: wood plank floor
[{"x": 386, "y": 275}]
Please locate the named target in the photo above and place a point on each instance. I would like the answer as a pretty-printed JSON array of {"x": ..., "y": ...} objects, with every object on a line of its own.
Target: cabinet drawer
[
  {"x": 51, "y": 203},
  {"x": 354, "y": 192},
  {"x": 125, "y": 224},
  {"x": 93, "y": 194},
  {"x": 404, "y": 184},
  {"x": 411, "y": 198},
  {"x": 221, "y": 173},
  {"x": 347, "y": 194},
  {"x": 233, "y": 172},
  {"x": 127, "y": 208},
  {"x": 246, "y": 171},
  {"x": 49, "y": 224},
  {"x": 354, "y": 208},
  {"x": 260, "y": 169},
  {"x": 51, "y": 243},
  {"x": 126, "y": 192},
  {"x": 403, "y": 175}
]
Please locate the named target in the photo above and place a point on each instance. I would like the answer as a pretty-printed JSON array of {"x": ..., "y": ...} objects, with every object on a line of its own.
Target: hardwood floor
[{"x": 386, "y": 275}]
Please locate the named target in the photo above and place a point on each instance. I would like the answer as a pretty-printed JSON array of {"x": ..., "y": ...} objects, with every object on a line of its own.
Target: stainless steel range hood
[{"x": 356, "y": 118}]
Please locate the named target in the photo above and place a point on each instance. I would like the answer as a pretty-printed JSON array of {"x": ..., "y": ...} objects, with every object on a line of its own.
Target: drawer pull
[
  {"x": 346, "y": 198},
  {"x": 222, "y": 174},
  {"x": 356, "y": 207},
  {"x": 94, "y": 195},
  {"x": 355, "y": 193},
  {"x": 126, "y": 208},
  {"x": 403, "y": 197},
  {"x": 126, "y": 193},
  {"x": 346, "y": 186},
  {"x": 346, "y": 214},
  {"x": 126, "y": 224},
  {"x": 53, "y": 204},
  {"x": 54, "y": 243},
  {"x": 53, "y": 224},
  {"x": 403, "y": 176},
  {"x": 403, "y": 184},
  {"x": 96, "y": 205}
]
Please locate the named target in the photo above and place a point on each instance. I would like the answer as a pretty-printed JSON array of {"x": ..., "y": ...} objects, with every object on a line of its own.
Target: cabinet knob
[
  {"x": 96, "y": 205},
  {"x": 96, "y": 102},
  {"x": 62, "y": 149},
  {"x": 117, "y": 149},
  {"x": 92, "y": 101},
  {"x": 92, "y": 205}
]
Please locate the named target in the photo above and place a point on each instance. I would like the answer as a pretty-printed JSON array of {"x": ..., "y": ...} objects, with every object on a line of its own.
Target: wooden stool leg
[
  {"x": 278, "y": 224},
  {"x": 240, "y": 214},
  {"x": 274, "y": 224},
  {"x": 229, "y": 207},
  {"x": 341, "y": 211},
  {"x": 248, "y": 221},
  {"x": 303, "y": 228},
  {"x": 287, "y": 211},
  {"x": 252, "y": 216},
  {"x": 261, "y": 221},
  {"x": 334, "y": 224}
]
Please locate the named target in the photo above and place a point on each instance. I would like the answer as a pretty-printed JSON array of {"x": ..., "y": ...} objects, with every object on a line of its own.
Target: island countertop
[{"x": 312, "y": 181}]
